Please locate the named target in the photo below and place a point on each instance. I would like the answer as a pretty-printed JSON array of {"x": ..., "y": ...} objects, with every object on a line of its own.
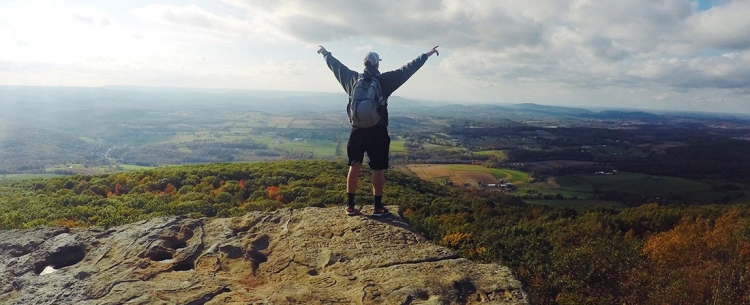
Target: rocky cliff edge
[{"x": 304, "y": 256}]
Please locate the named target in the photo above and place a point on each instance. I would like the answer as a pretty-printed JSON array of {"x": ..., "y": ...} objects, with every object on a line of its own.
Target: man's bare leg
[
  {"x": 352, "y": 179},
  {"x": 378, "y": 182}
]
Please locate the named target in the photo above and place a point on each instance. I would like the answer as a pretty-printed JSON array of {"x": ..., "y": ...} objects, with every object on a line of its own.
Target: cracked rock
[{"x": 306, "y": 256}]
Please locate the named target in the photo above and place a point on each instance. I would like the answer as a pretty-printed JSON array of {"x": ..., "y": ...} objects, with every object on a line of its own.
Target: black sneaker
[
  {"x": 380, "y": 211},
  {"x": 350, "y": 210}
]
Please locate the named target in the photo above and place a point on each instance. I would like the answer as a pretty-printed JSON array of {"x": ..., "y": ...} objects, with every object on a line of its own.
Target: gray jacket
[{"x": 389, "y": 81}]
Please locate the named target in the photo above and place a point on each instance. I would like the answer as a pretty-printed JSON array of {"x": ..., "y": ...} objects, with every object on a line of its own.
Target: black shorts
[{"x": 374, "y": 141}]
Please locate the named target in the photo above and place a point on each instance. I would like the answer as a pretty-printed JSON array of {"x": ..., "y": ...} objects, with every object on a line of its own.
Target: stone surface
[{"x": 306, "y": 256}]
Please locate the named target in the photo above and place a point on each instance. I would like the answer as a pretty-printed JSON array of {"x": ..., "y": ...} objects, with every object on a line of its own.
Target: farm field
[
  {"x": 88, "y": 140},
  {"x": 436, "y": 147},
  {"x": 567, "y": 186},
  {"x": 398, "y": 146},
  {"x": 125, "y": 167},
  {"x": 81, "y": 170},
  {"x": 129, "y": 167},
  {"x": 280, "y": 121},
  {"x": 644, "y": 184},
  {"x": 540, "y": 165},
  {"x": 463, "y": 173},
  {"x": 584, "y": 186},
  {"x": 182, "y": 137},
  {"x": 319, "y": 148},
  {"x": 27, "y": 176},
  {"x": 575, "y": 203},
  {"x": 76, "y": 168},
  {"x": 497, "y": 153}
]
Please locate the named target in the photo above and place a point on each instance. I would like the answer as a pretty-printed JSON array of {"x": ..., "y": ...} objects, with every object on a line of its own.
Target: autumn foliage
[
  {"x": 651, "y": 254},
  {"x": 697, "y": 262},
  {"x": 273, "y": 193}
]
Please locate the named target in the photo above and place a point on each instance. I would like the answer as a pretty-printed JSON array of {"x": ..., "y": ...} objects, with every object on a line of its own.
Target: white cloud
[
  {"x": 725, "y": 26},
  {"x": 652, "y": 53},
  {"x": 192, "y": 17},
  {"x": 731, "y": 70},
  {"x": 363, "y": 48},
  {"x": 581, "y": 43},
  {"x": 85, "y": 19}
]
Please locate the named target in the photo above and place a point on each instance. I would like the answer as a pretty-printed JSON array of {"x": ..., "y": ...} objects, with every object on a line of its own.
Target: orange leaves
[
  {"x": 456, "y": 239},
  {"x": 66, "y": 223},
  {"x": 476, "y": 251},
  {"x": 273, "y": 193},
  {"x": 119, "y": 190},
  {"x": 170, "y": 189},
  {"x": 70, "y": 223},
  {"x": 714, "y": 257},
  {"x": 693, "y": 241},
  {"x": 677, "y": 246}
]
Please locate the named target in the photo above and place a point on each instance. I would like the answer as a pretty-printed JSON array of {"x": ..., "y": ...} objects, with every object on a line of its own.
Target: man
[{"x": 374, "y": 140}]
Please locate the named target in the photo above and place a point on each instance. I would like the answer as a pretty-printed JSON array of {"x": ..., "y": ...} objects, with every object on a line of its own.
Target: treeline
[
  {"x": 31, "y": 149},
  {"x": 719, "y": 160},
  {"x": 525, "y": 155},
  {"x": 225, "y": 189},
  {"x": 646, "y": 255},
  {"x": 710, "y": 160},
  {"x": 416, "y": 155}
]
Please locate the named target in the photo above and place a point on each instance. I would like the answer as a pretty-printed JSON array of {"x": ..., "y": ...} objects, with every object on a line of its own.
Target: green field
[
  {"x": 319, "y": 148},
  {"x": 129, "y": 167},
  {"x": 80, "y": 169},
  {"x": 566, "y": 186},
  {"x": 584, "y": 186},
  {"x": 575, "y": 203},
  {"x": 497, "y": 153},
  {"x": 88, "y": 140},
  {"x": 77, "y": 168},
  {"x": 643, "y": 184},
  {"x": 398, "y": 146},
  {"x": 185, "y": 137},
  {"x": 509, "y": 175},
  {"x": 28, "y": 176},
  {"x": 465, "y": 173},
  {"x": 436, "y": 147}
]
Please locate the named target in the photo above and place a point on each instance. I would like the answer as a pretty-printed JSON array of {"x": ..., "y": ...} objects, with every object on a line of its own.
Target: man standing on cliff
[{"x": 368, "y": 114}]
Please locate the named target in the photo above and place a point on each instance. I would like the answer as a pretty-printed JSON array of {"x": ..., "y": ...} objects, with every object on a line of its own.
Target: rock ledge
[{"x": 305, "y": 256}]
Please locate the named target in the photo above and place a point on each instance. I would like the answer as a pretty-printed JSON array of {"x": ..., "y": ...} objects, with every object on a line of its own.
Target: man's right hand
[{"x": 322, "y": 50}]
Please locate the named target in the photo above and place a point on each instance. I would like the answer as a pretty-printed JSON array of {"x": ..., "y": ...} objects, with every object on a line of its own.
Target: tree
[{"x": 697, "y": 262}]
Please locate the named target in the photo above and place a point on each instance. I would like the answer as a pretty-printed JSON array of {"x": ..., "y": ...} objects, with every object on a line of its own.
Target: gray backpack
[{"x": 365, "y": 102}]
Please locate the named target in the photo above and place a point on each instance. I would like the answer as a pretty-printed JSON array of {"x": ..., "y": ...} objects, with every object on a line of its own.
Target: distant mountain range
[{"x": 299, "y": 103}]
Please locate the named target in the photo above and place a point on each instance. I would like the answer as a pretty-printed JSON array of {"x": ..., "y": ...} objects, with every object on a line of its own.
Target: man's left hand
[{"x": 433, "y": 51}]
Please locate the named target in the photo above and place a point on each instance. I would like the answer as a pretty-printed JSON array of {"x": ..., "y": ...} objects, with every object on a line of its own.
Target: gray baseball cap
[{"x": 373, "y": 58}]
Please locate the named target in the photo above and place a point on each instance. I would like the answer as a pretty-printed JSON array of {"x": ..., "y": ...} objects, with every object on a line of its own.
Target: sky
[{"x": 645, "y": 54}]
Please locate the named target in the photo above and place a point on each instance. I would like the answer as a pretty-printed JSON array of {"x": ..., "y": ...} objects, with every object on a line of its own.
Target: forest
[{"x": 650, "y": 254}]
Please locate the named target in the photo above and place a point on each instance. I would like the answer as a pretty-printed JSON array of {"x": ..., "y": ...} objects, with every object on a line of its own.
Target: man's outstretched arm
[
  {"x": 344, "y": 75},
  {"x": 394, "y": 79}
]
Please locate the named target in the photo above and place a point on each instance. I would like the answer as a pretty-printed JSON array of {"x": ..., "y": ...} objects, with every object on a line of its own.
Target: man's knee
[{"x": 355, "y": 163}]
